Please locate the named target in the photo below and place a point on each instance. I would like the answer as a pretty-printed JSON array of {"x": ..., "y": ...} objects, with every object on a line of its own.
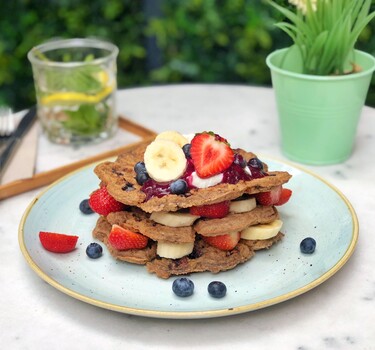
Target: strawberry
[
  {"x": 277, "y": 196},
  {"x": 224, "y": 242},
  {"x": 211, "y": 154},
  {"x": 122, "y": 239},
  {"x": 57, "y": 242},
  {"x": 286, "y": 193},
  {"x": 269, "y": 198},
  {"x": 103, "y": 203},
  {"x": 217, "y": 210}
]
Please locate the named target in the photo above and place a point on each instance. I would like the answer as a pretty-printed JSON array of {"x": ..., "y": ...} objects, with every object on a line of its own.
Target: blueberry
[
  {"x": 183, "y": 287},
  {"x": 140, "y": 167},
  {"x": 94, "y": 250},
  {"x": 308, "y": 245},
  {"x": 186, "y": 149},
  {"x": 141, "y": 174},
  {"x": 217, "y": 289},
  {"x": 255, "y": 163},
  {"x": 179, "y": 186},
  {"x": 238, "y": 159},
  {"x": 85, "y": 208},
  {"x": 141, "y": 178}
]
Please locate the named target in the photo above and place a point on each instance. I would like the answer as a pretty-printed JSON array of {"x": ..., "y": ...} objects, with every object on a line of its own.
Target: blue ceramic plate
[{"x": 316, "y": 209}]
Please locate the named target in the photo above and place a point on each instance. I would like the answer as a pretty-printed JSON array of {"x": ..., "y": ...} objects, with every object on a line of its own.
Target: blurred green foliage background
[{"x": 161, "y": 42}]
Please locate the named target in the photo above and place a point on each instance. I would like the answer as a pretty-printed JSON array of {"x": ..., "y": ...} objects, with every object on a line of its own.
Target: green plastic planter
[{"x": 318, "y": 114}]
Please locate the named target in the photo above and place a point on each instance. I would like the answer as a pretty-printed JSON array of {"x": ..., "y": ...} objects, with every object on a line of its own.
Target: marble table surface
[{"x": 338, "y": 314}]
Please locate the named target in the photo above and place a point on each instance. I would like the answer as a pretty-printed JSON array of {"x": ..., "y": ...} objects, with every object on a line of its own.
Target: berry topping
[
  {"x": 183, "y": 287},
  {"x": 94, "y": 250},
  {"x": 155, "y": 189},
  {"x": 141, "y": 175},
  {"x": 256, "y": 168},
  {"x": 217, "y": 210},
  {"x": 217, "y": 289},
  {"x": 122, "y": 239},
  {"x": 224, "y": 242},
  {"x": 165, "y": 161},
  {"x": 234, "y": 174},
  {"x": 140, "y": 167},
  {"x": 179, "y": 187},
  {"x": 255, "y": 163},
  {"x": 277, "y": 196},
  {"x": 308, "y": 245},
  {"x": 239, "y": 160},
  {"x": 85, "y": 208},
  {"x": 141, "y": 178},
  {"x": 103, "y": 203},
  {"x": 57, "y": 242},
  {"x": 211, "y": 154},
  {"x": 186, "y": 150}
]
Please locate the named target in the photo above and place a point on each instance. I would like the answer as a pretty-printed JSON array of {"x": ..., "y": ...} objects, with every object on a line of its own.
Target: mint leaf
[
  {"x": 78, "y": 79},
  {"x": 86, "y": 120}
]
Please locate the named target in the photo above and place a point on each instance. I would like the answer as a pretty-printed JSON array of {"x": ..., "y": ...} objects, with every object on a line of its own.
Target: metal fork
[{"x": 7, "y": 123}]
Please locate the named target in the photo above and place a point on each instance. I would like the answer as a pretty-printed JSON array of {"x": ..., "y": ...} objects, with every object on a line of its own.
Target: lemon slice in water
[
  {"x": 75, "y": 97},
  {"x": 71, "y": 97}
]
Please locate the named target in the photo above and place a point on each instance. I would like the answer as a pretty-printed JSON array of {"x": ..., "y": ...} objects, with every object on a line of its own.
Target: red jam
[
  {"x": 187, "y": 176},
  {"x": 232, "y": 175}
]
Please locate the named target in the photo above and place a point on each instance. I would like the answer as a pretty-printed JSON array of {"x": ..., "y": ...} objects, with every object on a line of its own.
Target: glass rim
[{"x": 72, "y": 43}]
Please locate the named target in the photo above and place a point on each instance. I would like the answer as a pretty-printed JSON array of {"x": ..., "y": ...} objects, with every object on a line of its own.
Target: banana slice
[
  {"x": 164, "y": 160},
  {"x": 173, "y": 219},
  {"x": 242, "y": 206},
  {"x": 174, "y": 250},
  {"x": 173, "y": 136},
  {"x": 262, "y": 231}
]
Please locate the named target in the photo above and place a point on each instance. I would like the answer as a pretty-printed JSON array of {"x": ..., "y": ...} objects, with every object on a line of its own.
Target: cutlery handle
[{"x": 8, "y": 151}]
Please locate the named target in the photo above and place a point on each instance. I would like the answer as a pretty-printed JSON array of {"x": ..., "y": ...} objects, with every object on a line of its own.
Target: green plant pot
[{"x": 318, "y": 114}]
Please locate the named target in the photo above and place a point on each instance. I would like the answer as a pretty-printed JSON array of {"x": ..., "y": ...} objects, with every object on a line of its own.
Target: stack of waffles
[{"x": 188, "y": 203}]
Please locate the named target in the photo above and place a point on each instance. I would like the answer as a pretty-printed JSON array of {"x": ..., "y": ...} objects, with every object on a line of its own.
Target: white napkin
[{"x": 22, "y": 163}]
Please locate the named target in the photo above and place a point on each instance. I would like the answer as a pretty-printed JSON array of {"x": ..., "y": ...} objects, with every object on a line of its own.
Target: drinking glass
[{"x": 75, "y": 84}]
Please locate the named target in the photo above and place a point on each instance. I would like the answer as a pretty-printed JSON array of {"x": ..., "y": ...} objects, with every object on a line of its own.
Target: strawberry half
[
  {"x": 277, "y": 196},
  {"x": 103, "y": 203},
  {"x": 211, "y": 154},
  {"x": 57, "y": 242},
  {"x": 285, "y": 195},
  {"x": 217, "y": 210},
  {"x": 122, "y": 239},
  {"x": 224, "y": 242}
]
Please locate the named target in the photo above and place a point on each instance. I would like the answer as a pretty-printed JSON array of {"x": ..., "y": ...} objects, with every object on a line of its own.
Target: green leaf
[
  {"x": 315, "y": 52},
  {"x": 298, "y": 21},
  {"x": 78, "y": 79},
  {"x": 288, "y": 28},
  {"x": 86, "y": 120}
]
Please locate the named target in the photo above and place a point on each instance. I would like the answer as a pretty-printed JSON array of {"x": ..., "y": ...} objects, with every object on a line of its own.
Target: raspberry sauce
[{"x": 235, "y": 173}]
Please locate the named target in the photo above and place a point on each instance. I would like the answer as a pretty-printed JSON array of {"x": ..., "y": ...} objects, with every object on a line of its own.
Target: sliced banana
[
  {"x": 173, "y": 136},
  {"x": 173, "y": 219},
  {"x": 262, "y": 231},
  {"x": 164, "y": 160},
  {"x": 174, "y": 250},
  {"x": 242, "y": 206}
]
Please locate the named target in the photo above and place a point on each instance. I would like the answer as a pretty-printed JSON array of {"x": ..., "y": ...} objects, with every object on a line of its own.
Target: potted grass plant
[{"x": 321, "y": 81}]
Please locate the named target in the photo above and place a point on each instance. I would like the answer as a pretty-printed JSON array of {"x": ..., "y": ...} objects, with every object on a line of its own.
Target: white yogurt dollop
[
  {"x": 247, "y": 170},
  {"x": 204, "y": 183}
]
